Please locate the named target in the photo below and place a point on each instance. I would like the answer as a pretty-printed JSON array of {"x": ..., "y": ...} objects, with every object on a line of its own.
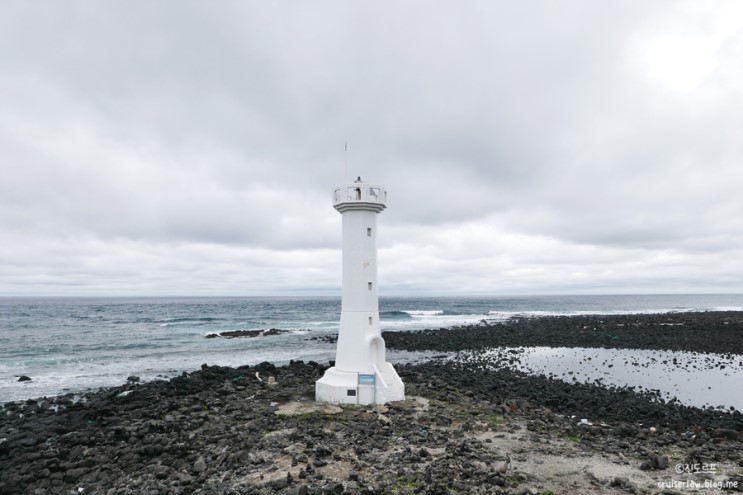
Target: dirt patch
[{"x": 297, "y": 408}]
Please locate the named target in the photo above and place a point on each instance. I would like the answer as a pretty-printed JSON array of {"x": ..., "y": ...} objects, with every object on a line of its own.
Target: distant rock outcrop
[{"x": 233, "y": 334}]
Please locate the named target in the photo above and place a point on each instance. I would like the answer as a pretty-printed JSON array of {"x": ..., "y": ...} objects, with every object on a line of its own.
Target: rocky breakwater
[
  {"x": 256, "y": 430},
  {"x": 713, "y": 331}
]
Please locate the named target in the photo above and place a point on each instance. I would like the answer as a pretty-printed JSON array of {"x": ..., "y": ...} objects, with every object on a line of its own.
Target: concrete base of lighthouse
[
  {"x": 361, "y": 374},
  {"x": 380, "y": 385}
]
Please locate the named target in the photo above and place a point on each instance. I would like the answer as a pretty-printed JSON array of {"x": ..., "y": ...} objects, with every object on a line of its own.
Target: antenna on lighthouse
[{"x": 345, "y": 161}]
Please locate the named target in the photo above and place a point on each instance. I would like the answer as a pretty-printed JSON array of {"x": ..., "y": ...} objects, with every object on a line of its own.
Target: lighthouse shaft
[
  {"x": 360, "y": 303},
  {"x": 360, "y": 261}
]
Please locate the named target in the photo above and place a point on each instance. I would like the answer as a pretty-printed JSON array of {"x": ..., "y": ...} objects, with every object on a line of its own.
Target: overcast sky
[{"x": 536, "y": 147}]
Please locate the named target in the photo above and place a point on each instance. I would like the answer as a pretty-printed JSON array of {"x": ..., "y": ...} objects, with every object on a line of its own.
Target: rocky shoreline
[
  {"x": 710, "y": 331},
  {"x": 465, "y": 428}
]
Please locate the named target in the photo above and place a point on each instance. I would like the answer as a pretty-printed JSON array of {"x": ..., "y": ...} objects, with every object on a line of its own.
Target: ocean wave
[
  {"x": 197, "y": 320},
  {"x": 438, "y": 320},
  {"x": 425, "y": 312},
  {"x": 395, "y": 315},
  {"x": 409, "y": 314}
]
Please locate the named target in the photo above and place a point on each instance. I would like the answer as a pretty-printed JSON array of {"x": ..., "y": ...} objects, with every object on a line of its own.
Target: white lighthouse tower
[{"x": 360, "y": 375}]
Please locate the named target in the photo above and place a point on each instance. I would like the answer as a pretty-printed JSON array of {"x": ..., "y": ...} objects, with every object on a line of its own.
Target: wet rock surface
[{"x": 465, "y": 428}]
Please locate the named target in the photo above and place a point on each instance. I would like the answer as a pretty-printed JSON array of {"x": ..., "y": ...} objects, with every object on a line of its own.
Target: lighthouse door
[{"x": 376, "y": 351}]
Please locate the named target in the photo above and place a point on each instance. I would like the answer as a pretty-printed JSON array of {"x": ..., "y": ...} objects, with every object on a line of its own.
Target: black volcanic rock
[
  {"x": 714, "y": 331},
  {"x": 234, "y": 334},
  {"x": 215, "y": 430}
]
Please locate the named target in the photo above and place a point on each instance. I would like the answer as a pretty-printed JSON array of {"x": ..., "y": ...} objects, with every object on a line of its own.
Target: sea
[{"x": 71, "y": 345}]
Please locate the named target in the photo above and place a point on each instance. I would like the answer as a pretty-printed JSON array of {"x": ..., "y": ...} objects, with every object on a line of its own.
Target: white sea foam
[
  {"x": 427, "y": 320},
  {"x": 82, "y": 375}
]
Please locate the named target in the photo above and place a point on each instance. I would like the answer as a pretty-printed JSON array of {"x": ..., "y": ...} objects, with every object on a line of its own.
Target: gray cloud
[{"x": 526, "y": 147}]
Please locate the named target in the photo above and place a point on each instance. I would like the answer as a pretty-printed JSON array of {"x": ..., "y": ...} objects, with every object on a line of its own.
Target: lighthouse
[{"x": 361, "y": 374}]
